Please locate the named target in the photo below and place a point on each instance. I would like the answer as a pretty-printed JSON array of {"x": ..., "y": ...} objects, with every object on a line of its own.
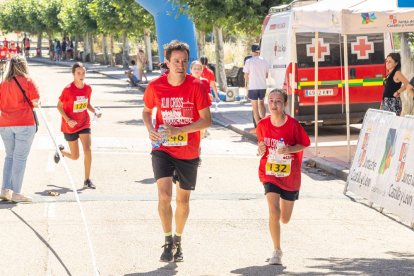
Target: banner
[{"x": 383, "y": 167}]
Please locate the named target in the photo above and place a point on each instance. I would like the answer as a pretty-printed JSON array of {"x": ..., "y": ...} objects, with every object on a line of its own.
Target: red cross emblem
[
  {"x": 323, "y": 50},
  {"x": 362, "y": 47}
]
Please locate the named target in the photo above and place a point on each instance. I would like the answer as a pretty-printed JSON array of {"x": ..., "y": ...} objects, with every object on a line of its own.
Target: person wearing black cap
[{"x": 255, "y": 73}]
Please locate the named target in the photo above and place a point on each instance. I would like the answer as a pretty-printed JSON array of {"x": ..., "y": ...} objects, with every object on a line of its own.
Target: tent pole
[
  {"x": 316, "y": 89},
  {"x": 348, "y": 134},
  {"x": 293, "y": 75}
]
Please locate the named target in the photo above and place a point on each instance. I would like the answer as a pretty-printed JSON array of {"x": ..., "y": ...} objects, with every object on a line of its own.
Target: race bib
[
  {"x": 80, "y": 105},
  {"x": 279, "y": 168},
  {"x": 177, "y": 140}
]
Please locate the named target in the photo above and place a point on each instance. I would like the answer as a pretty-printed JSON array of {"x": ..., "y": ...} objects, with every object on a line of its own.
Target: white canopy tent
[{"x": 349, "y": 17}]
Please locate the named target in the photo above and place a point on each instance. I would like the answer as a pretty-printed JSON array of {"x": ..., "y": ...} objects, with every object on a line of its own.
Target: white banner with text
[{"x": 383, "y": 166}]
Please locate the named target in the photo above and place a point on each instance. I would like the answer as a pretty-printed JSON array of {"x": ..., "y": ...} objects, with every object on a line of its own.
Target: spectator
[
  {"x": 394, "y": 84},
  {"x": 6, "y": 42},
  {"x": 255, "y": 73},
  {"x": 209, "y": 75},
  {"x": 17, "y": 126},
  {"x": 142, "y": 61},
  {"x": 133, "y": 74},
  {"x": 58, "y": 50},
  {"x": 26, "y": 45},
  {"x": 64, "y": 47}
]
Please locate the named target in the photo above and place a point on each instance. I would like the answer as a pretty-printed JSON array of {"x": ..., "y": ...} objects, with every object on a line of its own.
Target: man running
[{"x": 183, "y": 109}]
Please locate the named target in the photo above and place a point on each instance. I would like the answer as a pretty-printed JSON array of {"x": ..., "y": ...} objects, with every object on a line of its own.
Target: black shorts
[
  {"x": 74, "y": 136},
  {"x": 256, "y": 94},
  {"x": 286, "y": 195},
  {"x": 183, "y": 171}
]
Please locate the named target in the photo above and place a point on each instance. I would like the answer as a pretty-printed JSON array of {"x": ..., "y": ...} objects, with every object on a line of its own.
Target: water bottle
[
  {"x": 97, "y": 113},
  {"x": 156, "y": 144},
  {"x": 280, "y": 144}
]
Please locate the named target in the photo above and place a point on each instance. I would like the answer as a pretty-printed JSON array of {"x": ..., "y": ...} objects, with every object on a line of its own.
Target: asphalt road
[{"x": 226, "y": 234}]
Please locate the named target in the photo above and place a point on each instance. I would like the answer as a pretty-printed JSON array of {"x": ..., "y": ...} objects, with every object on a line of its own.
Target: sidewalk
[{"x": 237, "y": 117}]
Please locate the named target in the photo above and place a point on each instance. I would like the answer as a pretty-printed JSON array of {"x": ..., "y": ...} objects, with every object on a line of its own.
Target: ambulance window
[
  {"x": 366, "y": 49},
  {"x": 329, "y": 49}
]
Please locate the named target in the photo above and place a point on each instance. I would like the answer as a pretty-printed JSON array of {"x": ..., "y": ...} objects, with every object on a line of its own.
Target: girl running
[
  {"x": 281, "y": 141},
  {"x": 73, "y": 105}
]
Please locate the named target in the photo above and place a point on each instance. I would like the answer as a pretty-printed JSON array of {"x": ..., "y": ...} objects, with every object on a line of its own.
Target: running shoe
[
  {"x": 276, "y": 258},
  {"x": 88, "y": 184},
  {"x": 167, "y": 254},
  {"x": 57, "y": 157},
  {"x": 178, "y": 256}
]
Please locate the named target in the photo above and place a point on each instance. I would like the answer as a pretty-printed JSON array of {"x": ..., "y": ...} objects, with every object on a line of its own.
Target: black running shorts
[
  {"x": 286, "y": 195},
  {"x": 74, "y": 136},
  {"x": 183, "y": 171}
]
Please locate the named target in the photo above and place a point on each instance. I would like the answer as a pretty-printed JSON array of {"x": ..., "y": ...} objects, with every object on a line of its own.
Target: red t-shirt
[
  {"x": 206, "y": 85},
  {"x": 178, "y": 106},
  {"x": 15, "y": 111},
  {"x": 208, "y": 74},
  {"x": 289, "y": 177},
  {"x": 75, "y": 104},
  {"x": 4, "y": 51}
]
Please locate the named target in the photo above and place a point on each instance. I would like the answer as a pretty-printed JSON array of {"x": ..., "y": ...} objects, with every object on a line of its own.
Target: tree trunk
[
  {"x": 125, "y": 50},
  {"x": 39, "y": 44},
  {"x": 201, "y": 42},
  {"x": 105, "y": 49},
  {"x": 92, "y": 52},
  {"x": 147, "y": 40},
  {"x": 220, "y": 73},
  {"x": 85, "y": 47},
  {"x": 75, "y": 47},
  {"x": 113, "y": 60},
  {"x": 407, "y": 65}
]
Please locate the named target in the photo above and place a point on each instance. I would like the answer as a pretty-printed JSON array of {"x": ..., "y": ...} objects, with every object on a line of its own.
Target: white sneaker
[
  {"x": 20, "y": 198},
  {"x": 276, "y": 258},
  {"x": 6, "y": 194}
]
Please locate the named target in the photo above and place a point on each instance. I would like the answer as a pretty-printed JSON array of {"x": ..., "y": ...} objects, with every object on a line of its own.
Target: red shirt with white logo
[
  {"x": 75, "y": 104},
  {"x": 15, "y": 110},
  {"x": 293, "y": 134},
  {"x": 178, "y": 106}
]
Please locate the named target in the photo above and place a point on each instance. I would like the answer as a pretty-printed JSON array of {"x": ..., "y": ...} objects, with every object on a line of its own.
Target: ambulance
[{"x": 366, "y": 55}]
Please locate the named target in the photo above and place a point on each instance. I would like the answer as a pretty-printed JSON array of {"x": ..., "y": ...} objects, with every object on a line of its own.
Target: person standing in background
[
  {"x": 394, "y": 84},
  {"x": 17, "y": 126},
  {"x": 209, "y": 75},
  {"x": 255, "y": 71},
  {"x": 141, "y": 64}
]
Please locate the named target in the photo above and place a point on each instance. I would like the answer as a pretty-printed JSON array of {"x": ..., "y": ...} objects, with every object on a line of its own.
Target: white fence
[{"x": 383, "y": 167}]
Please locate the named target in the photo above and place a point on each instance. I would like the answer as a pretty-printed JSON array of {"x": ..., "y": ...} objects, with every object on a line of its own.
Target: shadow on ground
[
  {"x": 400, "y": 263},
  {"x": 167, "y": 270},
  {"x": 266, "y": 270}
]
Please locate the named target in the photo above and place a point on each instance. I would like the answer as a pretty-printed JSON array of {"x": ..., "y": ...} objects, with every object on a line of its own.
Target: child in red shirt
[
  {"x": 73, "y": 105},
  {"x": 281, "y": 140}
]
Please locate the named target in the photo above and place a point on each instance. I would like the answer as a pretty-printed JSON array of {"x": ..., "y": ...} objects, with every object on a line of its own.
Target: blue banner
[{"x": 406, "y": 3}]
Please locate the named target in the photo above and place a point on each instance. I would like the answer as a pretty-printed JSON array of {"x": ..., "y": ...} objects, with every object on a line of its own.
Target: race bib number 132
[{"x": 279, "y": 169}]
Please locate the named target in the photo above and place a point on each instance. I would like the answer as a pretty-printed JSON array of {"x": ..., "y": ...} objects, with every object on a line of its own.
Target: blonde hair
[
  {"x": 17, "y": 66},
  {"x": 194, "y": 63}
]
